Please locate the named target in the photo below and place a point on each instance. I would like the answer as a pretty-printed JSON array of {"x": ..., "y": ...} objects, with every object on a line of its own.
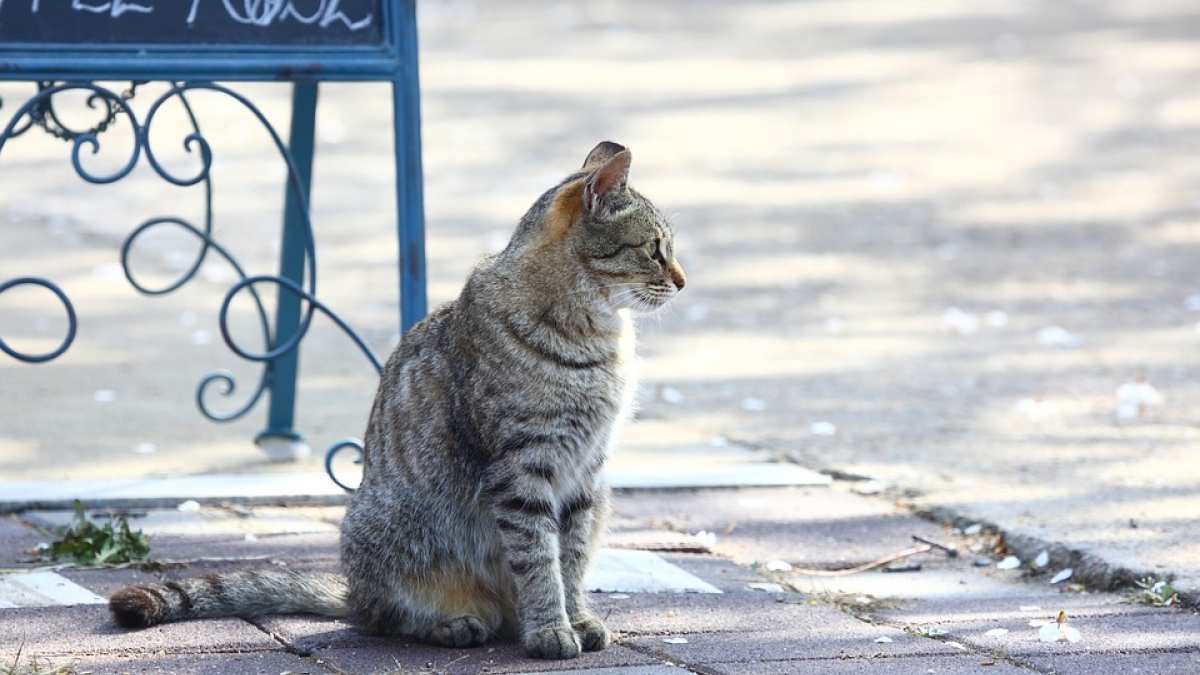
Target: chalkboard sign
[
  {"x": 209, "y": 39},
  {"x": 195, "y": 22}
]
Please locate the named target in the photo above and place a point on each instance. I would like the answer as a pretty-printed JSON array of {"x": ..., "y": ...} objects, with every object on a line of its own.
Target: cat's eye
[{"x": 654, "y": 249}]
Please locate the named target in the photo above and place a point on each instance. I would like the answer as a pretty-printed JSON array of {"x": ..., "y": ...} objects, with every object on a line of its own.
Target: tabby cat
[{"x": 482, "y": 502}]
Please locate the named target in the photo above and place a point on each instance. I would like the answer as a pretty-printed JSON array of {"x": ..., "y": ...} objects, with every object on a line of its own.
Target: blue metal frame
[{"x": 59, "y": 68}]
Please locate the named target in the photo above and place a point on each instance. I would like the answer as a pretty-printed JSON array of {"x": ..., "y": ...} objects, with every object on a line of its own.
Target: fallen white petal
[
  {"x": 871, "y": 487},
  {"x": 1042, "y": 559},
  {"x": 1036, "y": 410},
  {"x": 1071, "y": 634},
  {"x": 883, "y": 639},
  {"x": 190, "y": 506},
  {"x": 1140, "y": 393},
  {"x": 956, "y": 645},
  {"x": 1057, "y": 336},
  {"x": 1061, "y": 576},
  {"x": 823, "y": 429},
  {"x": 955, "y": 320},
  {"x": 779, "y": 566},
  {"x": 1050, "y": 633},
  {"x": 996, "y": 632},
  {"x": 675, "y": 641},
  {"x": 1012, "y": 562},
  {"x": 765, "y": 587},
  {"x": 973, "y": 529}
]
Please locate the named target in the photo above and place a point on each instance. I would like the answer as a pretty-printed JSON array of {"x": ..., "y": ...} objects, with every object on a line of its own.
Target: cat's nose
[{"x": 678, "y": 277}]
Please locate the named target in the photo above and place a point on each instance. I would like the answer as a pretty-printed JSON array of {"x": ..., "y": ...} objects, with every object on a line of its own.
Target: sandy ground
[{"x": 944, "y": 231}]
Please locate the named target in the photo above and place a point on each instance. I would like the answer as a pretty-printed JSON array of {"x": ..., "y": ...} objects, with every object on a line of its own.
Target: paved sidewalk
[
  {"x": 949, "y": 616},
  {"x": 926, "y": 243}
]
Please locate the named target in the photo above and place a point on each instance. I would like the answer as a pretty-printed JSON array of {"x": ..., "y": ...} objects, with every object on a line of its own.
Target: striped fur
[{"x": 482, "y": 501}]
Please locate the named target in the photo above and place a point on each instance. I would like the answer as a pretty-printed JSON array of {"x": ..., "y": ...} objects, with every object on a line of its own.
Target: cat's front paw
[
  {"x": 593, "y": 635},
  {"x": 459, "y": 631},
  {"x": 552, "y": 642}
]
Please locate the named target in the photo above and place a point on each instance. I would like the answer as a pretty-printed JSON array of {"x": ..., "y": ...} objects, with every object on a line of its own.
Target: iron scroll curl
[{"x": 39, "y": 112}]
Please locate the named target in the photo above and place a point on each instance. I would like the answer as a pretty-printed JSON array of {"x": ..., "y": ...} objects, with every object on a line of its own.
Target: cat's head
[{"x": 623, "y": 247}]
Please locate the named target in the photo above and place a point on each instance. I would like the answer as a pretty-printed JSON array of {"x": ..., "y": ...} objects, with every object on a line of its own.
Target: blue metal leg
[
  {"x": 409, "y": 181},
  {"x": 280, "y": 440}
]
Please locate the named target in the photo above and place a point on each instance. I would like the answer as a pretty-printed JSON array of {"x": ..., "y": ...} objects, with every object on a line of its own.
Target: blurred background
[{"x": 926, "y": 244}]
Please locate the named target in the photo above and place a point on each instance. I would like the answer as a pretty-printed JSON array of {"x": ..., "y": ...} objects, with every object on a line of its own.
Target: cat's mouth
[{"x": 651, "y": 297}]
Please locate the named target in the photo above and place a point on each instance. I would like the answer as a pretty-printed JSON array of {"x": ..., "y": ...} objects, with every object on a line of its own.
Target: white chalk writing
[
  {"x": 115, "y": 8},
  {"x": 321, "y": 13},
  {"x": 268, "y": 12}
]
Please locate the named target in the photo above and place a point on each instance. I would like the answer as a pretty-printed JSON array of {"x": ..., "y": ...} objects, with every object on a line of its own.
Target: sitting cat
[{"x": 482, "y": 502}]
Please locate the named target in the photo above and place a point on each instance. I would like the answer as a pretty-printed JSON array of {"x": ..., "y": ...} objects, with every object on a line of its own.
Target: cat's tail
[{"x": 241, "y": 594}]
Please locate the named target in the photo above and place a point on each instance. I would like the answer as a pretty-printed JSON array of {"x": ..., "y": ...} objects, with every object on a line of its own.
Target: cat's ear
[
  {"x": 609, "y": 179},
  {"x": 600, "y": 154}
]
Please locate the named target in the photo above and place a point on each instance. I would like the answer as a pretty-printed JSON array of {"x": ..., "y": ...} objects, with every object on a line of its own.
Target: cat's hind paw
[
  {"x": 459, "y": 631},
  {"x": 553, "y": 642},
  {"x": 593, "y": 635}
]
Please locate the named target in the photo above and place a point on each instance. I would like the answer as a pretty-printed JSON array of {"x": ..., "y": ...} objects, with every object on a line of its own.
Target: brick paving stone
[
  {"x": 974, "y": 608},
  {"x": 656, "y": 669},
  {"x": 822, "y": 638},
  {"x": 1166, "y": 631},
  {"x": 961, "y": 664},
  {"x": 815, "y": 527},
  {"x": 88, "y": 629},
  {"x": 1126, "y": 664},
  {"x": 105, "y": 582},
  {"x": 16, "y": 538},
  {"x": 269, "y": 663},
  {"x": 672, "y": 613},
  {"x": 500, "y": 658},
  {"x": 322, "y": 546}
]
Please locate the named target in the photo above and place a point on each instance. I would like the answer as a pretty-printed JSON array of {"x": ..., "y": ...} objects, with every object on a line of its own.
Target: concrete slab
[
  {"x": 623, "y": 571},
  {"x": 43, "y": 589},
  {"x": 259, "y": 488},
  {"x": 88, "y": 629},
  {"x": 206, "y": 521},
  {"x": 318, "y": 489}
]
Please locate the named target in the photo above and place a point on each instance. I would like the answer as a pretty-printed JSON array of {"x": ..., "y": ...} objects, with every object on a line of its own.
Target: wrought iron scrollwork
[
  {"x": 39, "y": 111},
  {"x": 72, "y": 322}
]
